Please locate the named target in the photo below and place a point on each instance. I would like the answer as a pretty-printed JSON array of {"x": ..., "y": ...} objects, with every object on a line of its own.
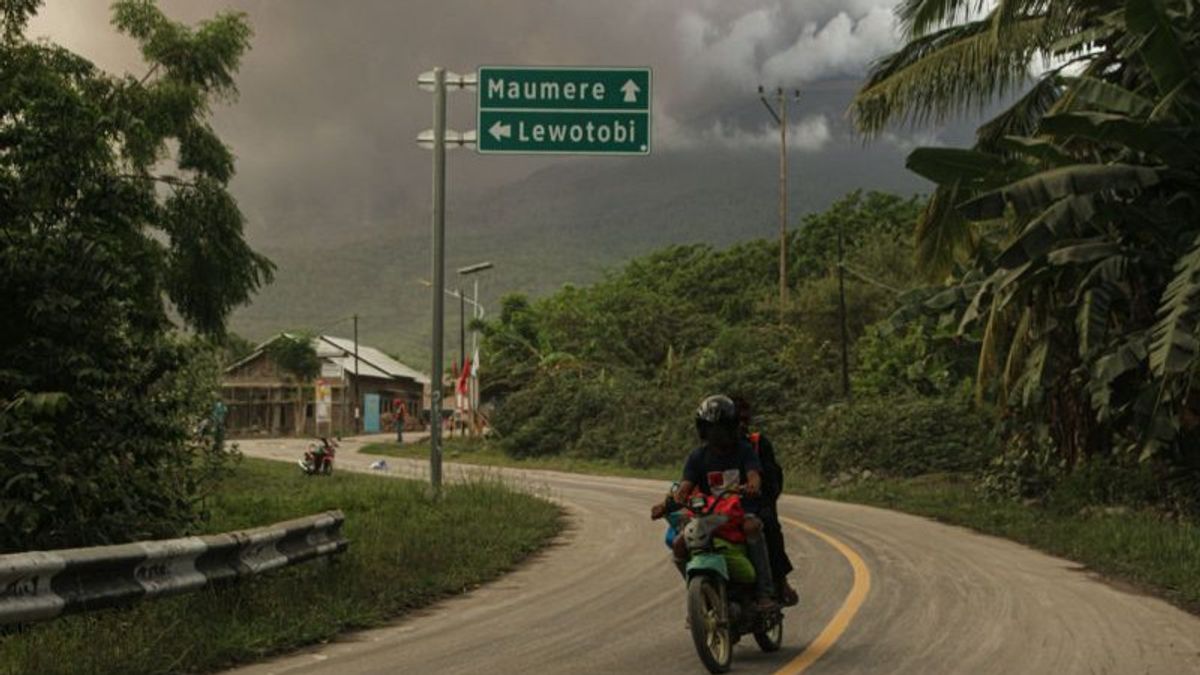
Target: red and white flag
[{"x": 463, "y": 376}]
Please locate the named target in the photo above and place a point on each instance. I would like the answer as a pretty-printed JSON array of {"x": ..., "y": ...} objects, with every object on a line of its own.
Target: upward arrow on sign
[{"x": 631, "y": 91}]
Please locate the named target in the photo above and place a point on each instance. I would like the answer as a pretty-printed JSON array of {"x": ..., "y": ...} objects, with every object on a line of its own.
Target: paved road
[{"x": 883, "y": 592}]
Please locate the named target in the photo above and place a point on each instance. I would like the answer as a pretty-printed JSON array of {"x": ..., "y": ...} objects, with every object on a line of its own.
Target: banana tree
[{"x": 1077, "y": 204}]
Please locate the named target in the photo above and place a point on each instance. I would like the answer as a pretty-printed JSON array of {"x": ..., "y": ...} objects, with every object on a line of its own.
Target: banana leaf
[
  {"x": 1159, "y": 46},
  {"x": 1121, "y": 130},
  {"x": 1083, "y": 252},
  {"x": 1085, "y": 93},
  {"x": 1035, "y": 193},
  {"x": 1053, "y": 225},
  {"x": 1175, "y": 344}
]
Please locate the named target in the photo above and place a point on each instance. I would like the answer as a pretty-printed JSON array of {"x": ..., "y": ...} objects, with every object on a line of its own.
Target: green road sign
[{"x": 604, "y": 111}]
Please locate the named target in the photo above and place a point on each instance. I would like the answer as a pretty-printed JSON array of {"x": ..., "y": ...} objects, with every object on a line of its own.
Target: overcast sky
[{"x": 329, "y": 106}]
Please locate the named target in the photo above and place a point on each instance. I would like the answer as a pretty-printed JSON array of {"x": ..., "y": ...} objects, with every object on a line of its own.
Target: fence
[{"x": 43, "y": 585}]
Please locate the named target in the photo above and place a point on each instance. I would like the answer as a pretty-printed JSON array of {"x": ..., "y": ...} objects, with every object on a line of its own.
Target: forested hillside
[{"x": 614, "y": 370}]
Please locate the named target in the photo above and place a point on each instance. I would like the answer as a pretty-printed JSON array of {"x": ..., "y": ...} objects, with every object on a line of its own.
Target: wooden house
[{"x": 264, "y": 400}]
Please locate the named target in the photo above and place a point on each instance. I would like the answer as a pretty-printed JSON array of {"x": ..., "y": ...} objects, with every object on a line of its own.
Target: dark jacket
[{"x": 772, "y": 471}]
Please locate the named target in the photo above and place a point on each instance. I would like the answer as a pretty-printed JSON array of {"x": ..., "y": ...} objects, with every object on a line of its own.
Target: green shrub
[
  {"x": 911, "y": 359},
  {"x": 1031, "y": 469},
  {"x": 606, "y": 416},
  {"x": 1106, "y": 482},
  {"x": 898, "y": 436},
  {"x": 124, "y": 456}
]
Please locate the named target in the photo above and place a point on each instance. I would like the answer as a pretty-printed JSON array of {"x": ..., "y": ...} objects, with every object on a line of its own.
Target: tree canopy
[
  {"x": 115, "y": 217},
  {"x": 614, "y": 370}
]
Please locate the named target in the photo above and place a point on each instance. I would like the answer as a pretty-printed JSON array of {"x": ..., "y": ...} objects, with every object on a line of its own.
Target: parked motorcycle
[
  {"x": 318, "y": 458},
  {"x": 720, "y": 586}
]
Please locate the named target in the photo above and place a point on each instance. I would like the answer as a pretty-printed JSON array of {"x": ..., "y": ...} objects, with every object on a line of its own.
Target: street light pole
[
  {"x": 357, "y": 428},
  {"x": 477, "y": 313}
]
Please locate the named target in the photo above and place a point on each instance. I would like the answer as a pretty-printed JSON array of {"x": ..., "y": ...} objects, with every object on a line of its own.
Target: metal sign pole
[
  {"x": 437, "y": 139},
  {"x": 439, "y": 281}
]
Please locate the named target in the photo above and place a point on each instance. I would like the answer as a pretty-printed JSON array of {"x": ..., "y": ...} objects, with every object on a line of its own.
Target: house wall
[
  {"x": 263, "y": 402},
  {"x": 409, "y": 391}
]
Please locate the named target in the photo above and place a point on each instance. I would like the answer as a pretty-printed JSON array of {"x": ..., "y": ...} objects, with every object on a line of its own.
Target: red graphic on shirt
[{"x": 721, "y": 481}]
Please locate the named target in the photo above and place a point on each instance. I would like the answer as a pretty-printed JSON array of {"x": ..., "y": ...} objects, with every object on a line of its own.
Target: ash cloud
[{"x": 325, "y": 125}]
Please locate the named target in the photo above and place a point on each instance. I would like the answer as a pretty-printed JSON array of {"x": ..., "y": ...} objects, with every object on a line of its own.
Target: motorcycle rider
[
  {"x": 721, "y": 464},
  {"x": 322, "y": 452},
  {"x": 781, "y": 565}
]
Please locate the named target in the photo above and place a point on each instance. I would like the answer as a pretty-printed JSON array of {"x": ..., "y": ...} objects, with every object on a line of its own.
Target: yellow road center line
[{"x": 845, "y": 614}]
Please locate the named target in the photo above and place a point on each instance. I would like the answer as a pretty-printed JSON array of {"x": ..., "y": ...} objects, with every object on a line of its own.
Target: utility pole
[
  {"x": 783, "y": 210},
  {"x": 781, "y": 118},
  {"x": 842, "y": 311},
  {"x": 354, "y": 389}
]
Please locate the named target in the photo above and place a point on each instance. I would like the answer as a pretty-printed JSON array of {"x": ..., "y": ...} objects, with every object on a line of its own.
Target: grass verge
[
  {"x": 405, "y": 552},
  {"x": 480, "y": 452},
  {"x": 1158, "y": 556}
]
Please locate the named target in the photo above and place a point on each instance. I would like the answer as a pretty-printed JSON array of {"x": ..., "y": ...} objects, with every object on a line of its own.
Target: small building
[{"x": 263, "y": 400}]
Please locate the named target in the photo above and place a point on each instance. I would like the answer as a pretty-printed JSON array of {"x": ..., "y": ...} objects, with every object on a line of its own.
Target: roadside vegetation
[
  {"x": 405, "y": 552},
  {"x": 1023, "y": 343},
  {"x": 1155, "y": 554}
]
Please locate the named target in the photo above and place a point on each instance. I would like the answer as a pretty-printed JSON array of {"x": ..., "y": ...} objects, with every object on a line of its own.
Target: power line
[{"x": 869, "y": 280}]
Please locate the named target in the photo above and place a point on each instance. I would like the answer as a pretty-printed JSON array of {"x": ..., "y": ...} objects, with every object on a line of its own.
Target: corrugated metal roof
[
  {"x": 371, "y": 361},
  {"x": 342, "y": 350}
]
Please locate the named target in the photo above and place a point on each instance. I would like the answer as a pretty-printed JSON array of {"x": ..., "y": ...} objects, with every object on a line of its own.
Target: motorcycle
[
  {"x": 720, "y": 586},
  {"x": 318, "y": 458}
]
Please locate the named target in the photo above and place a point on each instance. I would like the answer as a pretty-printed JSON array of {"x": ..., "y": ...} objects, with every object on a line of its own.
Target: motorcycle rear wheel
[
  {"x": 771, "y": 639},
  {"x": 709, "y": 624}
]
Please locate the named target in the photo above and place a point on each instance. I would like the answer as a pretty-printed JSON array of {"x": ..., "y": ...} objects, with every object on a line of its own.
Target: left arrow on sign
[{"x": 499, "y": 131}]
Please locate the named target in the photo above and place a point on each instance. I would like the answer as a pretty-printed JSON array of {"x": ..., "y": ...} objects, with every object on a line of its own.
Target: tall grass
[{"x": 405, "y": 552}]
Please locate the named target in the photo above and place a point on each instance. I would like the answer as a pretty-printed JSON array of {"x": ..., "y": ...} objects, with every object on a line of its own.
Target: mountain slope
[{"x": 563, "y": 224}]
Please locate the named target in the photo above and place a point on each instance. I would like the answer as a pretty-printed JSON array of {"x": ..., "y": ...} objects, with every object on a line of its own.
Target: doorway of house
[{"x": 371, "y": 413}]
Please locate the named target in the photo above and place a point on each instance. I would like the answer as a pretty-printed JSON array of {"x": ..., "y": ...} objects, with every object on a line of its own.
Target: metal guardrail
[{"x": 41, "y": 585}]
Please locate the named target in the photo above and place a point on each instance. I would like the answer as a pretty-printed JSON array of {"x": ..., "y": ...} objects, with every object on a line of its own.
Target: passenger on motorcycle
[
  {"x": 781, "y": 564},
  {"x": 724, "y": 464}
]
